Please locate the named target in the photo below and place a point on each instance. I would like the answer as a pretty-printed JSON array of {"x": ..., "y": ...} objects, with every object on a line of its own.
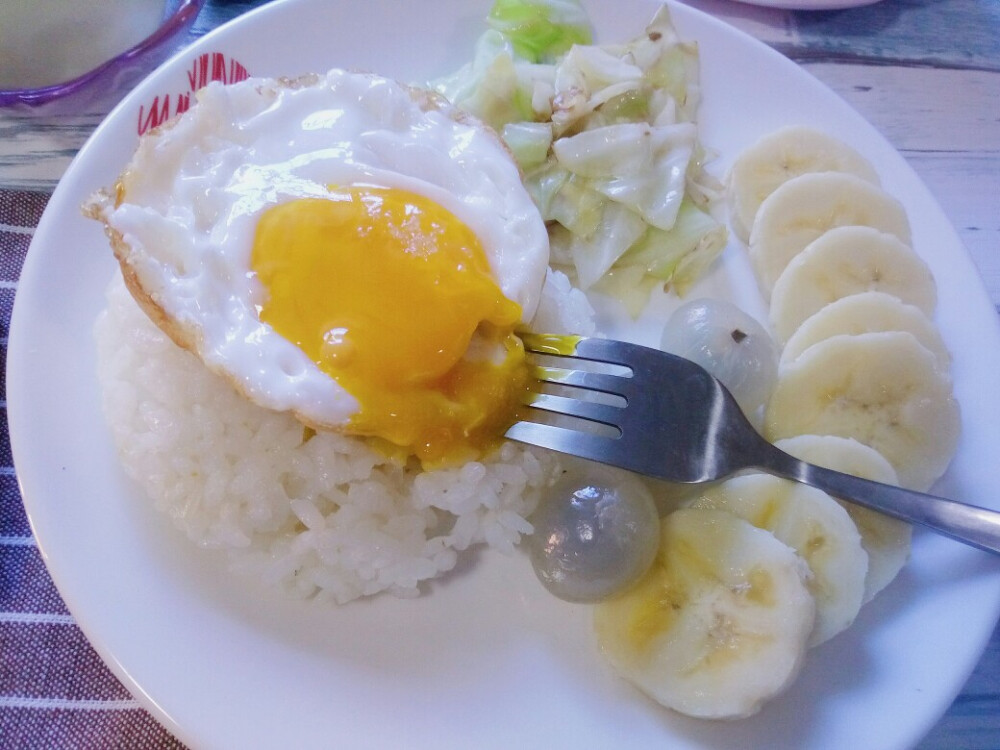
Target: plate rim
[{"x": 16, "y": 337}]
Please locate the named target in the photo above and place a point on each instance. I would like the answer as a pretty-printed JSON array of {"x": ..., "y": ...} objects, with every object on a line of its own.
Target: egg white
[{"x": 194, "y": 191}]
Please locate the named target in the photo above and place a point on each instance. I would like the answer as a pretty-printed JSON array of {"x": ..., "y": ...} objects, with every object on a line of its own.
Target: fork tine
[
  {"x": 579, "y": 347},
  {"x": 549, "y": 343},
  {"x": 591, "y": 381},
  {"x": 605, "y": 350},
  {"x": 589, "y": 410}
]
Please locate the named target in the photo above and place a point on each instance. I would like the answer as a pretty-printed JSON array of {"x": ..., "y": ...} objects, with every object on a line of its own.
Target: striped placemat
[{"x": 55, "y": 692}]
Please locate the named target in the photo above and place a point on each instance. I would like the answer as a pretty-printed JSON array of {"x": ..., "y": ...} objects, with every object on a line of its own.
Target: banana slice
[
  {"x": 882, "y": 389},
  {"x": 809, "y": 205},
  {"x": 885, "y": 539},
  {"x": 867, "y": 312},
  {"x": 813, "y": 524},
  {"x": 778, "y": 157},
  {"x": 718, "y": 625},
  {"x": 846, "y": 261}
]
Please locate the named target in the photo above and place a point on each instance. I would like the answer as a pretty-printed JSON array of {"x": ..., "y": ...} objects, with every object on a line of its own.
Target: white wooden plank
[
  {"x": 952, "y": 34},
  {"x": 968, "y": 189},
  {"x": 926, "y": 33},
  {"x": 921, "y": 109},
  {"x": 35, "y": 150}
]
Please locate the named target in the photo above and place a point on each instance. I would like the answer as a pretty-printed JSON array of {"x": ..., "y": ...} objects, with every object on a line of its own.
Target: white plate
[
  {"x": 486, "y": 659},
  {"x": 810, "y": 4}
]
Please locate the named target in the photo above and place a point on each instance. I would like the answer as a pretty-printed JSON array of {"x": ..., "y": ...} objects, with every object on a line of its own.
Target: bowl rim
[{"x": 182, "y": 16}]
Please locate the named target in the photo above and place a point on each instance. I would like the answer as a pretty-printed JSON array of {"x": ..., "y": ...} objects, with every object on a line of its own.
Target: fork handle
[{"x": 970, "y": 524}]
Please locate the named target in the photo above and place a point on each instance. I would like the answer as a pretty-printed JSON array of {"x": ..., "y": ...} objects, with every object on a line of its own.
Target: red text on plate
[{"x": 207, "y": 67}]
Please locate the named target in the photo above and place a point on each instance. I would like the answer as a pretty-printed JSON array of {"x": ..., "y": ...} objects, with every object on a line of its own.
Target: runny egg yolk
[{"x": 385, "y": 290}]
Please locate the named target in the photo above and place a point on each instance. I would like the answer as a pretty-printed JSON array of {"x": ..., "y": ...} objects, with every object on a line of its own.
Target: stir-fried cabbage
[
  {"x": 606, "y": 139},
  {"x": 540, "y": 30}
]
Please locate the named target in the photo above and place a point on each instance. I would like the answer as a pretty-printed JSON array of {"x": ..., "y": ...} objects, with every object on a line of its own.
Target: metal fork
[{"x": 679, "y": 423}]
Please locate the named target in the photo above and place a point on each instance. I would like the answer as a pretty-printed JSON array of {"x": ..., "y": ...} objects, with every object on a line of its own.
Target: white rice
[{"x": 324, "y": 517}]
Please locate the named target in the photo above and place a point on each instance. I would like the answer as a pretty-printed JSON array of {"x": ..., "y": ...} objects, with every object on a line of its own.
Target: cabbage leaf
[{"x": 540, "y": 30}]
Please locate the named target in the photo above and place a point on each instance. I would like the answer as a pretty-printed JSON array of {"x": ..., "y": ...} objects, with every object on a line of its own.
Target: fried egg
[{"x": 342, "y": 247}]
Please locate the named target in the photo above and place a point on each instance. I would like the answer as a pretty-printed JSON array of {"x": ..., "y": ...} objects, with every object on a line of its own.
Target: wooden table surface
[{"x": 926, "y": 73}]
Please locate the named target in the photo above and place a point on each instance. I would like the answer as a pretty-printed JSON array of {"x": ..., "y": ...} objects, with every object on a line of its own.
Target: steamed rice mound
[{"x": 319, "y": 514}]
